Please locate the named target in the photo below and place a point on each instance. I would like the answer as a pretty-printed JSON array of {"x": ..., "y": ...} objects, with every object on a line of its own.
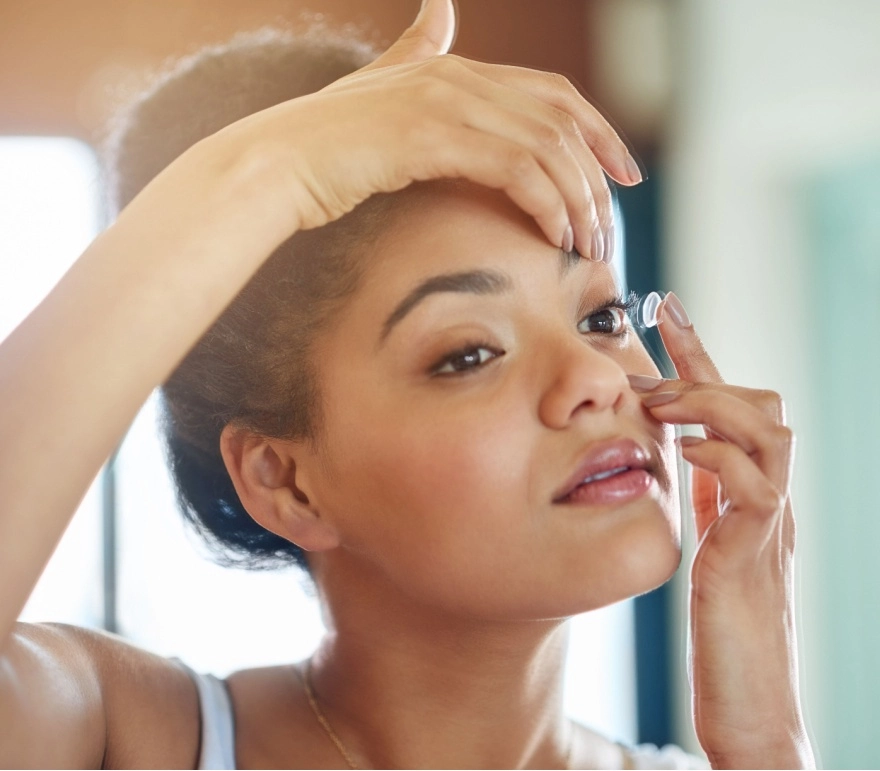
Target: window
[{"x": 48, "y": 214}]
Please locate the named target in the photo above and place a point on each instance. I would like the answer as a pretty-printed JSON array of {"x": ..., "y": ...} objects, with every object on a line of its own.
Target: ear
[{"x": 264, "y": 473}]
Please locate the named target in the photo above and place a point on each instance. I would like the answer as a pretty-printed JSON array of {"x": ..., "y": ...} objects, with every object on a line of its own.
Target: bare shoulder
[{"x": 103, "y": 701}]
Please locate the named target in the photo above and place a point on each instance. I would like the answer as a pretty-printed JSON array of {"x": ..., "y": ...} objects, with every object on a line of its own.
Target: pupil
[
  {"x": 467, "y": 360},
  {"x": 603, "y": 321}
]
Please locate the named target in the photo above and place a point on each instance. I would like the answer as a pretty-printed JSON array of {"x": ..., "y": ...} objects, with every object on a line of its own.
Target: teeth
[{"x": 605, "y": 474}]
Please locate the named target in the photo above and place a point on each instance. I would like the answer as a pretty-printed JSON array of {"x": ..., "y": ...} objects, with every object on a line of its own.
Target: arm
[{"x": 78, "y": 698}]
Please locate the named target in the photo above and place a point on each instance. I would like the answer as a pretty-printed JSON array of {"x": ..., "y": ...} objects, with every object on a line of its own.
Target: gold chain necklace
[
  {"x": 328, "y": 729},
  {"x": 325, "y": 724}
]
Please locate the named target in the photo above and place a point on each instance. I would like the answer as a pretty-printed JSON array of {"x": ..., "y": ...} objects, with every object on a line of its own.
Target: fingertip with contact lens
[
  {"x": 645, "y": 315},
  {"x": 673, "y": 306}
]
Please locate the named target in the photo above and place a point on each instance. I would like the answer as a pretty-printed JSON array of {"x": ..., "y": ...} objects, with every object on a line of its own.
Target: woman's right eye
[{"x": 465, "y": 360}]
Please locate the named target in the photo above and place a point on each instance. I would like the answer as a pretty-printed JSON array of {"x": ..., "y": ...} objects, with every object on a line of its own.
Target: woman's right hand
[{"x": 417, "y": 114}]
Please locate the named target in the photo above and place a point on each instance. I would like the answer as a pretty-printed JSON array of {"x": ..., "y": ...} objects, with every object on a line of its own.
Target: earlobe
[{"x": 264, "y": 473}]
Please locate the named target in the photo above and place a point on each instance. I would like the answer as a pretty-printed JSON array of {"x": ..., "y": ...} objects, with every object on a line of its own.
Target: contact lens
[{"x": 645, "y": 312}]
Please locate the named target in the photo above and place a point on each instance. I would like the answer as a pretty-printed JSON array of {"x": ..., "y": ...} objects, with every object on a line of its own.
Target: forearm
[{"x": 76, "y": 371}]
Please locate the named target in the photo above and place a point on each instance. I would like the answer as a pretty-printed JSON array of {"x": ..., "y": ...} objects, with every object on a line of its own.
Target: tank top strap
[
  {"x": 217, "y": 721},
  {"x": 668, "y": 756}
]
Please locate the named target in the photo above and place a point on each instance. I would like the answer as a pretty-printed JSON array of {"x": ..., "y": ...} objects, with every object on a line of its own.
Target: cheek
[
  {"x": 432, "y": 485},
  {"x": 635, "y": 359}
]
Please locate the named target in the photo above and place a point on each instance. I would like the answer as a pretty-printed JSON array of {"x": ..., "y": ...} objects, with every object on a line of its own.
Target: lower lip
[{"x": 621, "y": 488}]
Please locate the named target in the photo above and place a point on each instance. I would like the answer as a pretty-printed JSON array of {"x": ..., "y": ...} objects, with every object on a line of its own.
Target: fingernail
[
  {"x": 689, "y": 441},
  {"x": 655, "y": 400},
  {"x": 632, "y": 169},
  {"x": 568, "y": 239},
  {"x": 598, "y": 246},
  {"x": 644, "y": 382},
  {"x": 609, "y": 253},
  {"x": 676, "y": 311}
]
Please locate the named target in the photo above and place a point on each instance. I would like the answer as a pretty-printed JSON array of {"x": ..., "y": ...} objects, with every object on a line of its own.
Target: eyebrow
[{"x": 472, "y": 281}]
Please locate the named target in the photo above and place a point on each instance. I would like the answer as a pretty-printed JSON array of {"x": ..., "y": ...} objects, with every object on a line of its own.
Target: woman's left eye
[
  {"x": 608, "y": 321},
  {"x": 465, "y": 360}
]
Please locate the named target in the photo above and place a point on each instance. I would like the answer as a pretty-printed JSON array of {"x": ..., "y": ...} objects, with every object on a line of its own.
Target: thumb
[{"x": 431, "y": 34}]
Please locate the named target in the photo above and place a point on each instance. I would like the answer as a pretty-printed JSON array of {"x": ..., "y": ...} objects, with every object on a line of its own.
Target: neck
[{"x": 405, "y": 686}]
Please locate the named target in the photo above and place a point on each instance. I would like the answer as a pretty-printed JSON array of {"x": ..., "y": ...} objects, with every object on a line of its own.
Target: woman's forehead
[{"x": 453, "y": 225}]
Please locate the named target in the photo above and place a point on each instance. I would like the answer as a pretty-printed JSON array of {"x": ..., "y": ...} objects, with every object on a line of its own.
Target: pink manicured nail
[
  {"x": 598, "y": 246},
  {"x": 676, "y": 311},
  {"x": 568, "y": 239},
  {"x": 690, "y": 441},
  {"x": 609, "y": 251},
  {"x": 644, "y": 382},
  {"x": 632, "y": 169},
  {"x": 655, "y": 400}
]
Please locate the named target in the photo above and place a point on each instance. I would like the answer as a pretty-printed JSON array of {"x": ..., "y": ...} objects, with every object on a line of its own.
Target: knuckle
[
  {"x": 549, "y": 137},
  {"x": 519, "y": 162},
  {"x": 568, "y": 126},
  {"x": 772, "y": 404},
  {"x": 450, "y": 63},
  {"x": 769, "y": 500},
  {"x": 561, "y": 83},
  {"x": 784, "y": 437}
]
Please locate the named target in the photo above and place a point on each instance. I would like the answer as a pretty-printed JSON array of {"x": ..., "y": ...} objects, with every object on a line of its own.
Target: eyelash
[{"x": 624, "y": 307}]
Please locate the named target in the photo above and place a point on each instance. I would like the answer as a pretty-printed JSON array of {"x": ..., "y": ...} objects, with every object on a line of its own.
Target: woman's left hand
[{"x": 743, "y": 658}]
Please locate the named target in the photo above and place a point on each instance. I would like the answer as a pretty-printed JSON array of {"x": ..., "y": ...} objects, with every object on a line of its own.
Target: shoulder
[{"x": 136, "y": 708}]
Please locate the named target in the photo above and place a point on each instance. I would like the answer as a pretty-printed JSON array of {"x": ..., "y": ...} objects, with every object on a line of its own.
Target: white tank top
[{"x": 218, "y": 734}]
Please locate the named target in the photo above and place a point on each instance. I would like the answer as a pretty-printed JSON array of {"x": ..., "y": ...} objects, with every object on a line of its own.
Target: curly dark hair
[{"x": 252, "y": 368}]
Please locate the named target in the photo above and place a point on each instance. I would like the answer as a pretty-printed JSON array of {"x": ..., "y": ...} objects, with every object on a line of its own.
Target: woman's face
[{"x": 465, "y": 386}]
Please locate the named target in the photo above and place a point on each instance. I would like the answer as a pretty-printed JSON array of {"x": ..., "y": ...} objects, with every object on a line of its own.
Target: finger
[
  {"x": 545, "y": 128},
  {"x": 767, "y": 401},
  {"x": 753, "y": 497},
  {"x": 559, "y": 92},
  {"x": 431, "y": 34},
  {"x": 683, "y": 345},
  {"x": 737, "y": 421},
  {"x": 555, "y": 141},
  {"x": 704, "y": 498},
  {"x": 499, "y": 163}
]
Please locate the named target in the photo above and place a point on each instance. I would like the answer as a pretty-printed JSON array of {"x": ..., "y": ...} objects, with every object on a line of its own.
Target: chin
[
  {"x": 653, "y": 554},
  {"x": 643, "y": 555}
]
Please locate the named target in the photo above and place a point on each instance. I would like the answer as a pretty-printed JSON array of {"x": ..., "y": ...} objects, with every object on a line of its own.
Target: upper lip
[{"x": 605, "y": 456}]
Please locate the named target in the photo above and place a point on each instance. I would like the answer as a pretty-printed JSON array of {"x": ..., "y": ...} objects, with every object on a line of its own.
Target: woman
[{"x": 425, "y": 398}]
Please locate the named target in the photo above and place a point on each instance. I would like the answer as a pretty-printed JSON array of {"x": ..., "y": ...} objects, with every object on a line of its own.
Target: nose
[{"x": 580, "y": 379}]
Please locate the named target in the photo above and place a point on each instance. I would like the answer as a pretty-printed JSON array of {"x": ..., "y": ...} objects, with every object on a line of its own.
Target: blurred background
[{"x": 758, "y": 122}]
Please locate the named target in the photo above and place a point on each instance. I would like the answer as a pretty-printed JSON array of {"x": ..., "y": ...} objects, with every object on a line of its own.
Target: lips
[{"x": 605, "y": 467}]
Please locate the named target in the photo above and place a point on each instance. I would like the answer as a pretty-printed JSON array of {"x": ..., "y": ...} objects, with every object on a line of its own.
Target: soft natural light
[
  {"x": 49, "y": 213},
  {"x": 170, "y": 599}
]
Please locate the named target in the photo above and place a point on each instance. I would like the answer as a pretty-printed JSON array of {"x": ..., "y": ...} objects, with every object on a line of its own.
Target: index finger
[{"x": 683, "y": 345}]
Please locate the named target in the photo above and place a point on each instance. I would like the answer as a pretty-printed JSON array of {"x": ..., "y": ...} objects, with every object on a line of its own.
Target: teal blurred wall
[{"x": 842, "y": 209}]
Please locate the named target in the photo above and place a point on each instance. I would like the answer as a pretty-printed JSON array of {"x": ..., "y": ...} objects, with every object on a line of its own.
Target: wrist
[{"x": 792, "y": 750}]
